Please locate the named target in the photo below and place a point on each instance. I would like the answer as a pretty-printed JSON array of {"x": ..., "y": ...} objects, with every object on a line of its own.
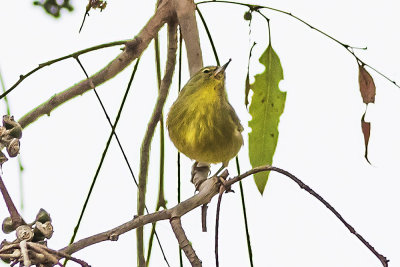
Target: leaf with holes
[{"x": 267, "y": 105}]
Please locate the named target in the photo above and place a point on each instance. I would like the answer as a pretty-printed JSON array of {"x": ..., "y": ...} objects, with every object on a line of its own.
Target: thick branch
[
  {"x": 145, "y": 148},
  {"x": 208, "y": 190},
  {"x": 133, "y": 50},
  {"x": 114, "y": 233},
  {"x": 185, "y": 11}
]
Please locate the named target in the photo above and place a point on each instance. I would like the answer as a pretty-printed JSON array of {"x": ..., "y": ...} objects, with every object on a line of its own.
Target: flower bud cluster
[{"x": 10, "y": 133}]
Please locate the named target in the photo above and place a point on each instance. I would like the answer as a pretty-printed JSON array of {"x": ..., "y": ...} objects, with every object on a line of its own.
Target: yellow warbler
[{"x": 201, "y": 123}]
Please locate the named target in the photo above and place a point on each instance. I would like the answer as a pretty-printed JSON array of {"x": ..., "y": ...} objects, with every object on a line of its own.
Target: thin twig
[
  {"x": 3, "y": 88},
  {"x": 161, "y": 199},
  {"x": 113, "y": 133},
  {"x": 302, "y": 185},
  {"x": 83, "y": 21},
  {"x": 349, "y": 48},
  {"x": 209, "y": 36},
  {"x": 145, "y": 148},
  {"x": 269, "y": 25},
  {"x": 246, "y": 224},
  {"x": 179, "y": 154},
  {"x": 133, "y": 49},
  {"x": 50, "y": 62},
  {"x": 105, "y": 152},
  {"x": 21, "y": 167},
  {"x": 221, "y": 192}
]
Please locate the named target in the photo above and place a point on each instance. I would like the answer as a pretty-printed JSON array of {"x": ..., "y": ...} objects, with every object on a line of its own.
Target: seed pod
[
  {"x": 43, "y": 216},
  {"x": 7, "y": 225},
  {"x": 3, "y": 158},
  {"x": 2, "y": 130},
  {"x": 24, "y": 232},
  {"x": 8, "y": 122},
  {"x": 247, "y": 15},
  {"x": 13, "y": 148},
  {"x": 46, "y": 229}
]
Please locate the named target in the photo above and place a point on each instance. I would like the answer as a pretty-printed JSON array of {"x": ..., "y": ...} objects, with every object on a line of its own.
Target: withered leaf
[
  {"x": 366, "y": 129},
  {"x": 247, "y": 90},
  {"x": 367, "y": 85}
]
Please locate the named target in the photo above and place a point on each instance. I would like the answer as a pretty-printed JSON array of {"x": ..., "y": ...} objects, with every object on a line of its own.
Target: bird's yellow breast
[{"x": 201, "y": 123}]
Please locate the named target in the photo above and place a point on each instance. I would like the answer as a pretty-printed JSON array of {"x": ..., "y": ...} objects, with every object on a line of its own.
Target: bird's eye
[{"x": 206, "y": 70}]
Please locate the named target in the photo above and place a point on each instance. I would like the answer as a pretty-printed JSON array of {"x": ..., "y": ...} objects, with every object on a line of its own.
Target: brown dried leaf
[
  {"x": 366, "y": 129},
  {"x": 247, "y": 90},
  {"x": 367, "y": 85}
]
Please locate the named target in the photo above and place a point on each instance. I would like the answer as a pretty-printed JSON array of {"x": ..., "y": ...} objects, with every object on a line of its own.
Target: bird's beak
[{"x": 222, "y": 68}]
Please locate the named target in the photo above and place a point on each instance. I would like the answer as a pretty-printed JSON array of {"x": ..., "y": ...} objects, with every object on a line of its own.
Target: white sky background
[{"x": 320, "y": 134}]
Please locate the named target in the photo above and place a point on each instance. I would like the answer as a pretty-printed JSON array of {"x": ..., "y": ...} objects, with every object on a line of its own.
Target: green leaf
[{"x": 267, "y": 105}]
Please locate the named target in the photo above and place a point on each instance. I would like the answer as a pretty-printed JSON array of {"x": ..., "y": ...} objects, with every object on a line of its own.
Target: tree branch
[
  {"x": 302, "y": 185},
  {"x": 145, "y": 148},
  {"x": 207, "y": 190},
  {"x": 184, "y": 243},
  {"x": 50, "y": 62},
  {"x": 349, "y": 48},
  {"x": 133, "y": 49},
  {"x": 185, "y": 11},
  {"x": 16, "y": 218}
]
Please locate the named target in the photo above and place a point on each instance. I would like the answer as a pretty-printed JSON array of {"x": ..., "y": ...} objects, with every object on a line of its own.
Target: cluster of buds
[
  {"x": 10, "y": 133},
  {"x": 37, "y": 232}
]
